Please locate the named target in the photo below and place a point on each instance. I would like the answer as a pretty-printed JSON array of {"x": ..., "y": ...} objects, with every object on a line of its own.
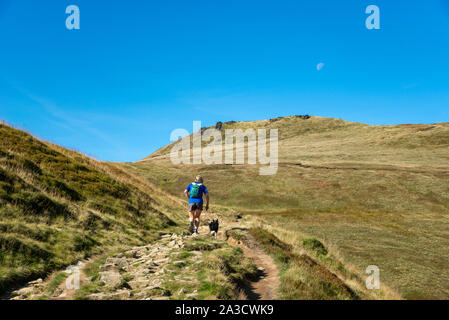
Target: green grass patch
[
  {"x": 315, "y": 246},
  {"x": 54, "y": 283},
  {"x": 203, "y": 244},
  {"x": 302, "y": 277},
  {"x": 58, "y": 207},
  {"x": 222, "y": 272}
]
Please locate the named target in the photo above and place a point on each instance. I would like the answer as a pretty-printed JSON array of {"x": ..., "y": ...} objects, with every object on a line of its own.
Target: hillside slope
[
  {"x": 58, "y": 207},
  {"x": 346, "y": 195},
  {"x": 320, "y": 162},
  {"x": 373, "y": 194}
]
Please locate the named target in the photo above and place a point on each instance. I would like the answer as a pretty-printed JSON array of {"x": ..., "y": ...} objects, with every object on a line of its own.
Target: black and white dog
[{"x": 213, "y": 227}]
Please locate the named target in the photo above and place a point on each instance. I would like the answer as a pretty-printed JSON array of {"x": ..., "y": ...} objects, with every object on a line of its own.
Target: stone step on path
[
  {"x": 36, "y": 289},
  {"x": 141, "y": 272},
  {"x": 146, "y": 269}
]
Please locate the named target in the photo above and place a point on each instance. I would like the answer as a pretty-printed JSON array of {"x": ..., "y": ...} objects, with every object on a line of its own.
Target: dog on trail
[{"x": 213, "y": 227}]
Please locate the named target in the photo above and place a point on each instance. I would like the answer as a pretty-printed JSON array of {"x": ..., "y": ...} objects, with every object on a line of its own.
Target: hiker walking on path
[{"x": 194, "y": 192}]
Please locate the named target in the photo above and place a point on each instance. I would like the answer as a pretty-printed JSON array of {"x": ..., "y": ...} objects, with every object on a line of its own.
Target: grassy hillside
[
  {"x": 321, "y": 160},
  {"x": 373, "y": 194},
  {"x": 58, "y": 206}
]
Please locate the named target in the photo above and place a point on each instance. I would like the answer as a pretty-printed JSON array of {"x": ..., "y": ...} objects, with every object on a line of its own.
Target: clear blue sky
[{"x": 136, "y": 70}]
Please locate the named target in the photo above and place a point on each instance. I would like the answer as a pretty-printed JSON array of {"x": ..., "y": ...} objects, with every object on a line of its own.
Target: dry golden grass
[
  {"x": 58, "y": 207},
  {"x": 370, "y": 194},
  {"x": 373, "y": 194}
]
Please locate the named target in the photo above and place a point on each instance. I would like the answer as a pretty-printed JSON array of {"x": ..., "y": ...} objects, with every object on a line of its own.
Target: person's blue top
[{"x": 202, "y": 190}]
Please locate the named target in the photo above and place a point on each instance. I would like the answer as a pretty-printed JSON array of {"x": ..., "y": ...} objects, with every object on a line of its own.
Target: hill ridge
[{"x": 357, "y": 188}]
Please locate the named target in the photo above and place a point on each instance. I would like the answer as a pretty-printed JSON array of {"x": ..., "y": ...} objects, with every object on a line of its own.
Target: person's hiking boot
[
  {"x": 196, "y": 231},
  {"x": 191, "y": 228}
]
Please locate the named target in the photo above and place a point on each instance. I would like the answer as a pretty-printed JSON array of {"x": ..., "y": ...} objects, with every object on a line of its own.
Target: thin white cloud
[{"x": 71, "y": 120}]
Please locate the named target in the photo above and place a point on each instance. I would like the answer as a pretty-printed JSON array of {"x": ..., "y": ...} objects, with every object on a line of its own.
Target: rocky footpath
[
  {"x": 158, "y": 271},
  {"x": 150, "y": 272},
  {"x": 29, "y": 291}
]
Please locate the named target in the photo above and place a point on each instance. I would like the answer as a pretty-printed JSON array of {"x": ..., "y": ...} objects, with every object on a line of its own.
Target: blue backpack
[{"x": 195, "y": 190}]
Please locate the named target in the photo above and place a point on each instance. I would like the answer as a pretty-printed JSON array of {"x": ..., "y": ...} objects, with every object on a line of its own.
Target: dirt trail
[
  {"x": 266, "y": 286},
  {"x": 68, "y": 293},
  {"x": 139, "y": 272}
]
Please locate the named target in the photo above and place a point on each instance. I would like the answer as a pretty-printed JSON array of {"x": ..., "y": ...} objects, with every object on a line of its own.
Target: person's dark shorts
[{"x": 195, "y": 206}]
